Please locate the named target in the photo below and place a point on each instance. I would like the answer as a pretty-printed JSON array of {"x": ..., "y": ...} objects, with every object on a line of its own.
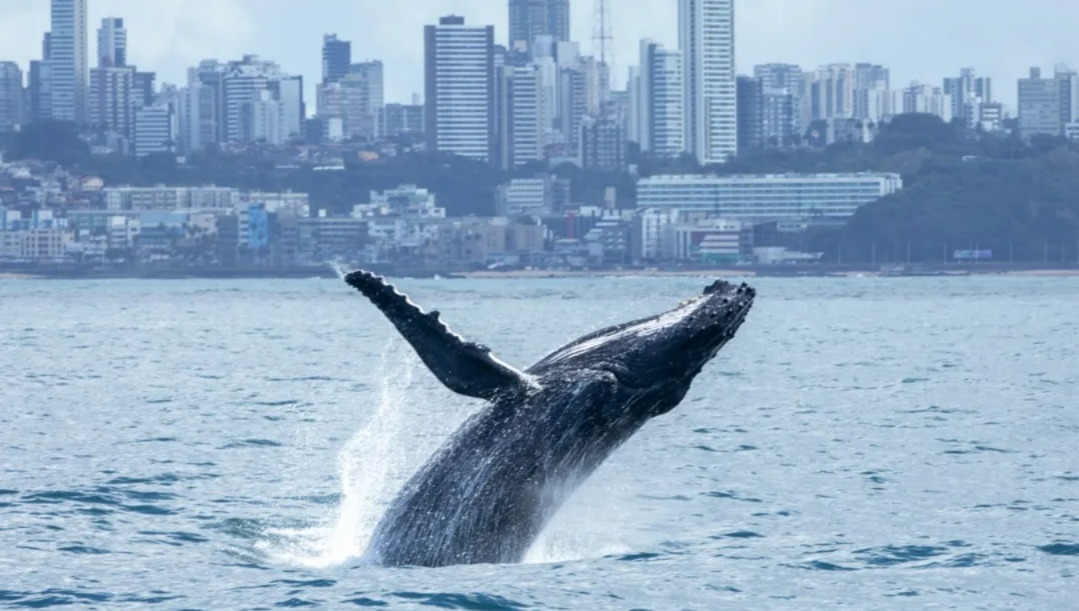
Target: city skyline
[{"x": 920, "y": 44}]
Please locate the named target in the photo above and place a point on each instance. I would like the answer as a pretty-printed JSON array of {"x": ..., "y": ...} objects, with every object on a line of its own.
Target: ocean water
[{"x": 862, "y": 443}]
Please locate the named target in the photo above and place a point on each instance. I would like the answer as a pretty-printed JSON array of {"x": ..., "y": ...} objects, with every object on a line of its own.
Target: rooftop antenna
[{"x": 603, "y": 40}]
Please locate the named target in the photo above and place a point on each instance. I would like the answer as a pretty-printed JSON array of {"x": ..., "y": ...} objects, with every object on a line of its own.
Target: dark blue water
[{"x": 863, "y": 443}]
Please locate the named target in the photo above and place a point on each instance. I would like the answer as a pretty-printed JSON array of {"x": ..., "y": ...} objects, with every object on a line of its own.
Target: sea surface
[{"x": 863, "y": 443}]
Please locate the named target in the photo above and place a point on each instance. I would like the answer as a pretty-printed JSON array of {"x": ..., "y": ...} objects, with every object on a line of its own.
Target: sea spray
[{"x": 372, "y": 466}]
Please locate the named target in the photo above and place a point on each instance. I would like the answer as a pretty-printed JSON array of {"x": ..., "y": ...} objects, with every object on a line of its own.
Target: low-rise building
[
  {"x": 540, "y": 195},
  {"x": 37, "y": 244},
  {"x": 767, "y": 197},
  {"x": 714, "y": 241}
]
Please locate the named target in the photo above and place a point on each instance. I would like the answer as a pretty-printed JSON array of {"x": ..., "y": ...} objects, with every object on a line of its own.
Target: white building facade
[
  {"x": 660, "y": 104},
  {"x": 706, "y": 38},
  {"x": 460, "y": 91},
  {"x": 767, "y": 197},
  {"x": 68, "y": 60}
]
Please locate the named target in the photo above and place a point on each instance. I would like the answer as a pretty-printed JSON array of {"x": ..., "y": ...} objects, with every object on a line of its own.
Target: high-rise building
[
  {"x": 660, "y": 110},
  {"x": 786, "y": 103},
  {"x": 145, "y": 91},
  {"x": 572, "y": 105},
  {"x": 782, "y": 119},
  {"x": 459, "y": 88},
  {"x": 706, "y": 38},
  {"x": 532, "y": 18},
  {"x": 597, "y": 77},
  {"x": 868, "y": 80},
  {"x": 195, "y": 116},
  {"x": 603, "y": 144},
  {"x": 831, "y": 92},
  {"x": 336, "y": 58},
  {"x": 968, "y": 91},
  {"x": 156, "y": 129},
  {"x": 1039, "y": 105},
  {"x": 398, "y": 119},
  {"x": 924, "y": 99},
  {"x": 371, "y": 72},
  {"x": 287, "y": 91},
  {"x": 68, "y": 60},
  {"x": 266, "y": 116},
  {"x": 11, "y": 96},
  {"x": 111, "y": 104},
  {"x": 241, "y": 85},
  {"x": 635, "y": 106},
  {"x": 210, "y": 74},
  {"x": 868, "y": 76},
  {"x": 780, "y": 76},
  {"x": 524, "y": 120},
  {"x": 111, "y": 43},
  {"x": 39, "y": 90},
  {"x": 1068, "y": 84},
  {"x": 751, "y": 135},
  {"x": 356, "y": 100}
]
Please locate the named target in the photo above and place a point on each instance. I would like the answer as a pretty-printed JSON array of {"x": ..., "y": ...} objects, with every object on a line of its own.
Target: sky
[{"x": 918, "y": 40}]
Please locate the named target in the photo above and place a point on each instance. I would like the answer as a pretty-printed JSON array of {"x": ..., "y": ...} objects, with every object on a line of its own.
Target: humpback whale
[{"x": 487, "y": 493}]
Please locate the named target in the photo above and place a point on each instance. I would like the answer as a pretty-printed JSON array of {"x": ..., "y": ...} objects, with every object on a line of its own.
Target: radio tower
[{"x": 603, "y": 44}]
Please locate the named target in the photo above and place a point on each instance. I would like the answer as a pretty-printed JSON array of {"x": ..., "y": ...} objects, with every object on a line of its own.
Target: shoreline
[
  {"x": 756, "y": 274},
  {"x": 748, "y": 272}
]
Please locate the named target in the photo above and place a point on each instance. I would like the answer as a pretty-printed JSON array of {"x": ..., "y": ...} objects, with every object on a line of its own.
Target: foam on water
[{"x": 372, "y": 466}]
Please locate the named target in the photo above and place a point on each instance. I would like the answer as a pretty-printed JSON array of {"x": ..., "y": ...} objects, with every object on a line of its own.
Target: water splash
[
  {"x": 338, "y": 266},
  {"x": 587, "y": 525},
  {"x": 371, "y": 466}
]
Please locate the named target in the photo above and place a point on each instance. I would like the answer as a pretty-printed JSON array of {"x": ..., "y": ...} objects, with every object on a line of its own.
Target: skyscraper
[
  {"x": 660, "y": 111},
  {"x": 532, "y": 18},
  {"x": 68, "y": 60},
  {"x": 459, "y": 88},
  {"x": 111, "y": 103},
  {"x": 1068, "y": 83},
  {"x": 870, "y": 80},
  {"x": 372, "y": 73},
  {"x": 336, "y": 58},
  {"x": 112, "y": 43},
  {"x": 1039, "y": 105},
  {"x": 785, "y": 103},
  {"x": 780, "y": 76},
  {"x": 750, "y": 114},
  {"x": 523, "y": 120},
  {"x": 11, "y": 96},
  {"x": 968, "y": 93},
  {"x": 706, "y": 37},
  {"x": 831, "y": 92},
  {"x": 40, "y": 87},
  {"x": 356, "y": 99},
  {"x": 144, "y": 88}
]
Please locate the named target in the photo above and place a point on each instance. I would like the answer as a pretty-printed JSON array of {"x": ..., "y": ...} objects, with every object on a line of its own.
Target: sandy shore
[{"x": 11, "y": 276}]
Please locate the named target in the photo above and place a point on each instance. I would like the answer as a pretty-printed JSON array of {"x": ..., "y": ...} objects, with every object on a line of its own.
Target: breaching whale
[{"x": 487, "y": 493}]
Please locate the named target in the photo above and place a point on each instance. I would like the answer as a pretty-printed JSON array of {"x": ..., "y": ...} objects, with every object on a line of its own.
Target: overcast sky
[{"x": 922, "y": 40}]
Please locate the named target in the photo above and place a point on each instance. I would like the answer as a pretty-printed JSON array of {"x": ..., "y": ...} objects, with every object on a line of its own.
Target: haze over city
[{"x": 921, "y": 40}]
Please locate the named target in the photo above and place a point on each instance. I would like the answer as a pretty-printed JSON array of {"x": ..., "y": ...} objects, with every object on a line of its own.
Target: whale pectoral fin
[{"x": 464, "y": 367}]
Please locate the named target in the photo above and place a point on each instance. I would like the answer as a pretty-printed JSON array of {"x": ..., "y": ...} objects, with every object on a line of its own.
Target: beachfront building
[{"x": 762, "y": 198}]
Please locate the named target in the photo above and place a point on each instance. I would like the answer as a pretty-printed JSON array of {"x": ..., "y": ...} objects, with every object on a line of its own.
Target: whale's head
[{"x": 659, "y": 356}]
